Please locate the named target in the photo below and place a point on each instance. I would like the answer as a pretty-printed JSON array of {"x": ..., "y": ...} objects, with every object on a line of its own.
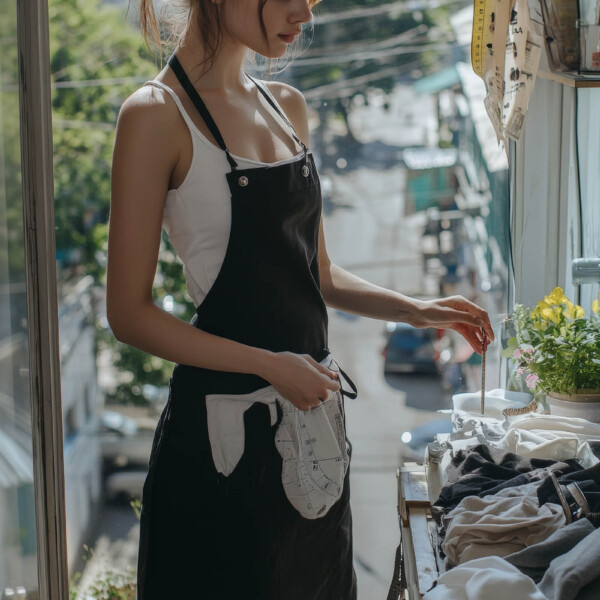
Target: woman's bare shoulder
[
  {"x": 149, "y": 138},
  {"x": 149, "y": 108},
  {"x": 293, "y": 103}
]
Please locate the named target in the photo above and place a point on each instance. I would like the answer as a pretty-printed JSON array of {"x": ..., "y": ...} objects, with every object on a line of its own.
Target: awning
[
  {"x": 16, "y": 461},
  {"x": 442, "y": 80}
]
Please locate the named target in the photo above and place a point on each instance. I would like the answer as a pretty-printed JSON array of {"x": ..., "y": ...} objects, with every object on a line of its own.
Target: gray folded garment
[
  {"x": 534, "y": 560},
  {"x": 576, "y": 574}
]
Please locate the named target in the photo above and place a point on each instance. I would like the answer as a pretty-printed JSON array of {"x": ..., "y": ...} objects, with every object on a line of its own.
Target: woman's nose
[{"x": 302, "y": 12}]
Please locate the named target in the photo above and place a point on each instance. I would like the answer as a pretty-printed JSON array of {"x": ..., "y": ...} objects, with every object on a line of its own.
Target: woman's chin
[{"x": 275, "y": 51}]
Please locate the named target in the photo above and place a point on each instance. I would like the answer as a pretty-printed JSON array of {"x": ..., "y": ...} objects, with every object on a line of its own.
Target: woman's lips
[{"x": 288, "y": 39}]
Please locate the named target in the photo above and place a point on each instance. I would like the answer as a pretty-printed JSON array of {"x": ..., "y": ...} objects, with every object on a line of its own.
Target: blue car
[{"x": 410, "y": 349}]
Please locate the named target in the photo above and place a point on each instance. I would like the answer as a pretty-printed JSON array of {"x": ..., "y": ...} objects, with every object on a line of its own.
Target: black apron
[{"x": 204, "y": 535}]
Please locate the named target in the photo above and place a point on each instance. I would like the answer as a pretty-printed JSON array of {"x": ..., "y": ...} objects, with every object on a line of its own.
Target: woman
[{"x": 222, "y": 161}]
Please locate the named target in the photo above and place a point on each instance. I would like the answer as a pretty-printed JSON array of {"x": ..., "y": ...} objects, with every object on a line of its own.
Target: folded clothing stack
[
  {"x": 528, "y": 510},
  {"x": 569, "y": 561},
  {"x": 497, "y": 525}
]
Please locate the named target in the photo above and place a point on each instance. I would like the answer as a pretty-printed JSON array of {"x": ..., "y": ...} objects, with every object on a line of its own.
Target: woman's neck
[{"x": 224, "y": 70}]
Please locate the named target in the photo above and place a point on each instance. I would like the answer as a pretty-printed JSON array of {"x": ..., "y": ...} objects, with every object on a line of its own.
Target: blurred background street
[{"x": 371, "y": 232}]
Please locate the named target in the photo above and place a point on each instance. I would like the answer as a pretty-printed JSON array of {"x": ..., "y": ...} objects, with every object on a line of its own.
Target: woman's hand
[
  {"x": 456, "y": 313},
  {"x": 300, "y": 379}
]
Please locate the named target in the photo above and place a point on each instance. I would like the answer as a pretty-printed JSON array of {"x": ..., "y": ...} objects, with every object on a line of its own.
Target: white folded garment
[
  {"x": 225, "y": 419},
  {"x": 552, "y": 437},
  {"x": 580, "y": 427},
  {"x": 489, "y": 578},
  {"x": 540, "y": 443}
]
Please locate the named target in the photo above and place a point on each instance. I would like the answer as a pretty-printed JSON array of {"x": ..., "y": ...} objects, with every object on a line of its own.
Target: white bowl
[
  {"x": 495, "y": 402},
  {"x": 590, "y": 411}
]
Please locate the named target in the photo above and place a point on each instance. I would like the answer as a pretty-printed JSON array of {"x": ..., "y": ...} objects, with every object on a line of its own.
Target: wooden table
[{"x": 419, "y": 561}]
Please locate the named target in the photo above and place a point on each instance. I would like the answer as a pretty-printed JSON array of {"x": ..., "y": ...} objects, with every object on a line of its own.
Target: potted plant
[{"x": 557, "y": 349}]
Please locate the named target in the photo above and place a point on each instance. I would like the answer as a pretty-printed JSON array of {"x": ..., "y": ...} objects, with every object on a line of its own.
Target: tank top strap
[
  {"x": 266, "y": 92},
  {"x": 185, "y": 115},
  {"x": 198, "y": 103}
]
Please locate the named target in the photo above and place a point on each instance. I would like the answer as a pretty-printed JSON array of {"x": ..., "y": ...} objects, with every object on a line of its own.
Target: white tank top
[{"x": 197, "y": 214}]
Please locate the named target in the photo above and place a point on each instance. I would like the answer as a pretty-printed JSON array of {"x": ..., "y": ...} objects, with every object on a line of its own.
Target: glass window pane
[
  {"x": 18, "y": 548},
  {"x": 97, "y": 58},
  {"x": 415, "y": 198},
  {"x": 589, "y": 150}
]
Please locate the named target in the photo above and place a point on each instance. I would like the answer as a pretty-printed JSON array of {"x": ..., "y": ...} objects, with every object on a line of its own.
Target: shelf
[{"x": 571, "y": 79}]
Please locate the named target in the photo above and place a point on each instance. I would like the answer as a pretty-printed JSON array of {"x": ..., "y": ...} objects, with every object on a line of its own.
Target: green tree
[
  {"x": 12, "y": 253},
  {"x": 97, "y": 59},
  {"x": 89, "y": 43}
]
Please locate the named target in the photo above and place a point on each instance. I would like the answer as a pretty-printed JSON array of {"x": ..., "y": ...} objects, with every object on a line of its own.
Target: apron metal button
[
  {"x": 243, "y": 181},
  {"x": 305, "y": 171}
]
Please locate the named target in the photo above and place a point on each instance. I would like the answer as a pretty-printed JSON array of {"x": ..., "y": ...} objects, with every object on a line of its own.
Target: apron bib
[{"x": 206, "y": 535}]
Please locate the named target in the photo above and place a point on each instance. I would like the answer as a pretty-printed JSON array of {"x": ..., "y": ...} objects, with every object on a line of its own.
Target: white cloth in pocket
[
  {"x": 312, "y": 444},
  {"x": 315, "y": 457}
]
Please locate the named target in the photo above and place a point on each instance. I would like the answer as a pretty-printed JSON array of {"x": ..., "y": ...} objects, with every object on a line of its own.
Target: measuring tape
[{"x": 483, "y": 33}]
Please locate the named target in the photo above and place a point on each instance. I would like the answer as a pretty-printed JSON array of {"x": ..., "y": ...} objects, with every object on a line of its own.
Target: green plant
[
  {"x": 109, "y": 585},
  {"x": 112, "y": 586},
  {"x": 556, "y": 346}
]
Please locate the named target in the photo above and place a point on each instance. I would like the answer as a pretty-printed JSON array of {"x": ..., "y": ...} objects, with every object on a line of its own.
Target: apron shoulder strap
[
  {"x": 266, "y": 92},
  {"x": 197, "y": 101}
]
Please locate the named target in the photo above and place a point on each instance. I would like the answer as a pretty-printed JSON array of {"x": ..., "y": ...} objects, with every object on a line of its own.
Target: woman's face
[{"x": 283, "y": 20}]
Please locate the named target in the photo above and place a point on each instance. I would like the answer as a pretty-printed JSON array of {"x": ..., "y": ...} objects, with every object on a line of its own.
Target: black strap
[
  {"x": 572, "y": 499},
  {"x": 191, "y": 91},
  {"x": 354, "y": 393},
  {"x": 271, "y": 100}
]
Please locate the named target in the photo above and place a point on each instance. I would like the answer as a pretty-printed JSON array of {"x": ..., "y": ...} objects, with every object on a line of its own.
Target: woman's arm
[
  {"x": 347, "y": 292},
  {"x": 149, "y": 137},
  {"x": 350, "y": 293}
]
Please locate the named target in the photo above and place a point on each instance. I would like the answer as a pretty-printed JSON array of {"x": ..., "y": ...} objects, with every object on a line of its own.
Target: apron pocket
[{"x": 315, "y": 457}]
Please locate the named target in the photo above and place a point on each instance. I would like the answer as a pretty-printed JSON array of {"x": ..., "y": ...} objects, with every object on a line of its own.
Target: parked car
[
  {"x": 125, "y": 485},
  {"x": 124, "y": 442},
  {"x": 410, "y": 349}
]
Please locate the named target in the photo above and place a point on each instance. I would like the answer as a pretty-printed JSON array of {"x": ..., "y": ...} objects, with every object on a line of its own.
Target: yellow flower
[
  {"x": 537, "y": 311},
  {"x": 573, "y": 311},
  {"x": 552, "y": 314},
  {"x": 546, "y": 312},
  {"x": 596, "y": 306},
  {"x": 556, "y": 297}
]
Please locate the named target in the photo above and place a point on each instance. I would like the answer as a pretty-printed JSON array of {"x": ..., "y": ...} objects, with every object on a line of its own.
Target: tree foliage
[
  {"x": 349, "y": 42},
  {"x": 89, "y": 43},
  {"x": 12, "y": 256},
  {"x": 97, "y": 59}
]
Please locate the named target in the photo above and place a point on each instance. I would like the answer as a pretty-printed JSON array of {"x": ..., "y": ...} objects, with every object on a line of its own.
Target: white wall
[{"x": 546, "y": 223}]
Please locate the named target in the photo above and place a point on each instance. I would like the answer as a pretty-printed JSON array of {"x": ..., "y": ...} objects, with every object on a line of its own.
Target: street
[{"x": 370, "y": 238}]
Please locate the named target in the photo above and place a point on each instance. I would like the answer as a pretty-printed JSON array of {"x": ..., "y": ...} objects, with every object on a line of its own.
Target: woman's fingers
[
  {"x": 461, "y": 310},
  {"x": 322, "y": 369},
  {"x": 470, "y": 335}
]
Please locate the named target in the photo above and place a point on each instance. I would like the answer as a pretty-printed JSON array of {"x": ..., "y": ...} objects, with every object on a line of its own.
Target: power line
[
  {"x": 408, "y": 35},
  {"x": 298, "y": 62},
  {"x": 74, "y": 124},
  {"x": 374, "y": 55},
  {"x": 358, "y": 13},
  {"x": 322, "y": 91},
  {"x": 83, "y": 83}
]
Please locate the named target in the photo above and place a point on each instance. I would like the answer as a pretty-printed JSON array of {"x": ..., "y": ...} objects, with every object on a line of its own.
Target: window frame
[{"x": 42, "y": 298}]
